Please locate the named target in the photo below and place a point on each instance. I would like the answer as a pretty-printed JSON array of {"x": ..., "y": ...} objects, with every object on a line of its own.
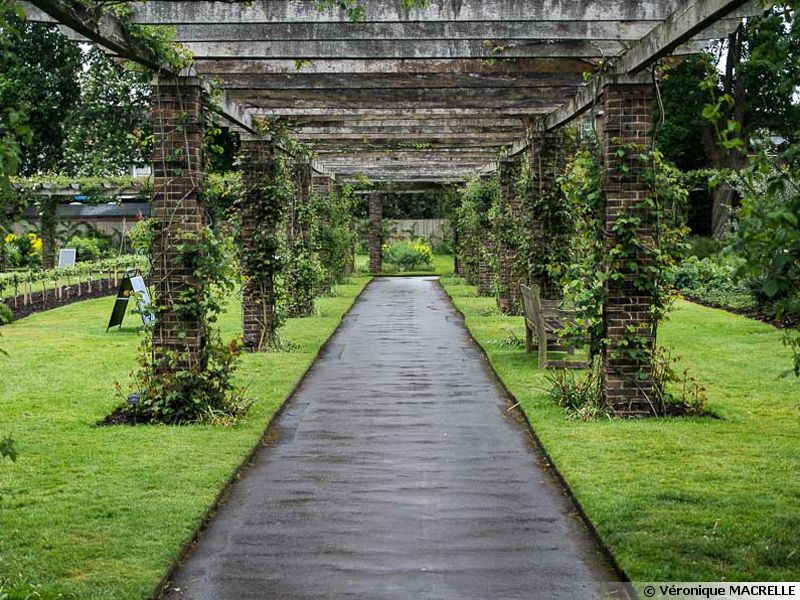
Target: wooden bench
[{"x": 544, "y": 319}]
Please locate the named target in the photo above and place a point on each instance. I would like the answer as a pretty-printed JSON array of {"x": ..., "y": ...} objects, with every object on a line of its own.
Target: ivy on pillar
[
  {"x": 549, "y": 224},
  {"x": 321, "y": 185},
  {"x": 179, "y": 336},
  {"x": 627, "y": 367},
  {"x": 505, "y": 229},
  {"x": 261, "y": 214},
  {"x": 48, "y": 226},
  {"x": 299, "y": 276},
  {"x": 375, "y": 232}
]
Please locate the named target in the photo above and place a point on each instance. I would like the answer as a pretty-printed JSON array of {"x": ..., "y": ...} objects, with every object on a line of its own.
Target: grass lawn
[
  {"x": 686, "y": 499},
  {"x": 102, "y": 512},
  {"x": 442, "y": 265}
]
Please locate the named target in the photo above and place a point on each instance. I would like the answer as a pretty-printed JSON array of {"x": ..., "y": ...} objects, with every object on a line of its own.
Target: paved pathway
[{"x": 398, "y": 473}]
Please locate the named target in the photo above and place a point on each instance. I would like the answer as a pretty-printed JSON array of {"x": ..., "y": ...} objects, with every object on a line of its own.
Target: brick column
[
  {"x": 375, "y": 237},
  {"x": 548, "y": 156},
  {"x": 508, "y": 295},
  {"x": 299, "y": 290},
  {"x": 627, "y": 382},
  {"x": 485, "y": 271},
  {"x": 257, "y": 161},
  {"x": 179, "y": 215},
  {"x": 48, "y": 227},
  {"x": 321, "y": 185}
]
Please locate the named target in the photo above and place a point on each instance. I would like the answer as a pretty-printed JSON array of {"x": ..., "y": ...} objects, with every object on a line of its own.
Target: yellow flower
[{"x": 10, "y": 238}]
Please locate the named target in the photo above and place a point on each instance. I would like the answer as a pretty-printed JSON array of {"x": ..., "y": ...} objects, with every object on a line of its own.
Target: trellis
[{"x": 435, "y": 94}]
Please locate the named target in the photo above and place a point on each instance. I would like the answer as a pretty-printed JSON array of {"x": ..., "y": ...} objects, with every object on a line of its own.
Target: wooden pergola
[{"x": 429, "y": 95}]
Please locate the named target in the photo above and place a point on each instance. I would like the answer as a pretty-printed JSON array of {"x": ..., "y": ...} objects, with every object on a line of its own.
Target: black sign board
[{"x": 131, "y": 287}]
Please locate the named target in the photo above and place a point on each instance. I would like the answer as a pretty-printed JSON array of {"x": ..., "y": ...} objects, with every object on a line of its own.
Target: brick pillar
[
  {"x": 627, "y": 382},
  {"x": 485, "y": 271},
  {"x": 508, "y": 295},
  {"x": 321, "y": 185},
  {"x": 375, "y": 237},
  {"x": 259, "y": 165},
  {"x": 299, "y": 290},
  {"x": 548, "y": 156},
  {"x": 304, "y": 182},
  {"x": 179, "y": 214},
  {"x": 48, "y": 227}
]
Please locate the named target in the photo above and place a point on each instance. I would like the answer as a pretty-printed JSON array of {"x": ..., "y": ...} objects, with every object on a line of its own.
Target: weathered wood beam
[
  {"x": 415, "y": 30},
  {"x": 354, "y": 146},
  {"x": 342, "y": 155},
  {"x": 406, "y": 49},
  {"x": 403, "y": 132},
  {"x": 336, "y": 124},
  {"x": 381, "y": 11},
  {"x": 680, "y": 26},
  {"x": 323, "y": 81},
  {"x": 544, "y": 98},
  {"x": 507, "y": 137},
  {"x": 378, "y": 66},
  {"x": 299, "y": 114}
]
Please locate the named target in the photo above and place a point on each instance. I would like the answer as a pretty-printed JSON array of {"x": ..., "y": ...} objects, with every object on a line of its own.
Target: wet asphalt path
[{"x": 397, "y": 473}]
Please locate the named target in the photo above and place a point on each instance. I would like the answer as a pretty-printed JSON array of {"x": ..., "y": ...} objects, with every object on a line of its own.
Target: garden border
[
  {"x": 70, "y": 294},
  {"x": 264, "y": 440},
  {"x": 516, "y": 410}
]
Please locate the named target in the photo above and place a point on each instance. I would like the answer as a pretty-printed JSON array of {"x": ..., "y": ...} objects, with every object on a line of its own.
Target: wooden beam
[
  {"x": 449, "y": 81},
  {"x": 383, "y": 11},
  {"x": 680, "y": 26},
  {"x": 409, "y": 66},
  {"x": 406, "y": 49},
  {"x": 415, "y": 30}
]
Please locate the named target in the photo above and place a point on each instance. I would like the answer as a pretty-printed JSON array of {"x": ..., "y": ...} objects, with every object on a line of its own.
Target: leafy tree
[
  {"x": 752, "y": 94},
  {"x": 683, "y": 102},
  {"x": 39, "y": 76},
  {"x": 768, "y": 234},
  {"x": 111, "y": 125}
]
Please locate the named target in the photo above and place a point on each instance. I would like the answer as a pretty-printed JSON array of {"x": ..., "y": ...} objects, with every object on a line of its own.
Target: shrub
[
  {"x": 705, "y": 246},
  {"x": 87, "y": 248},
  {"x": 408, "y": 256},
  {"x": 21, "y": 251},
  {"x": 6, "y": 315},
  {"x": 713, "y": 280},
  {"x": 442, "y": 247}
]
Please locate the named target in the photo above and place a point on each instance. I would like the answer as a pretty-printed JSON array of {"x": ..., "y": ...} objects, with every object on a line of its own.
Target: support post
[
  {"x": 627, "y": 381},
  {"x": 375, "y": 233},
  {"x": 259, "y": 229},
  {"x": 179, "y": 339},
  {"x": 321, "y": 185},
  {"x": 48, "y": 226},
  {"x": 299, "y": 289},
  {"x": 548, "y": 156},
  {"x": 508, "y": 294}
]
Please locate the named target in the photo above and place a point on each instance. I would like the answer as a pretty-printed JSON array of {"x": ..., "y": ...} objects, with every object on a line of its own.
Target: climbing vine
[
  {"x": 637, "y": 250},
  {"x": 333, "y": 233},
  {"x": 473, "y": 222}
]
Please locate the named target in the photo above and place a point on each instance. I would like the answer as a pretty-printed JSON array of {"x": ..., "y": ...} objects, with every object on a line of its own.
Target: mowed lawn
[
  {"x": 442, "y": 265},
  {"x": 102, "y": 512},
  {"x": 681, "y": 499}
]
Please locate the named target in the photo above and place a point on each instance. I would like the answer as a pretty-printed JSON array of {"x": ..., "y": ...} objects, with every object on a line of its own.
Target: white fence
[{"x": 432, "y": 230}]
